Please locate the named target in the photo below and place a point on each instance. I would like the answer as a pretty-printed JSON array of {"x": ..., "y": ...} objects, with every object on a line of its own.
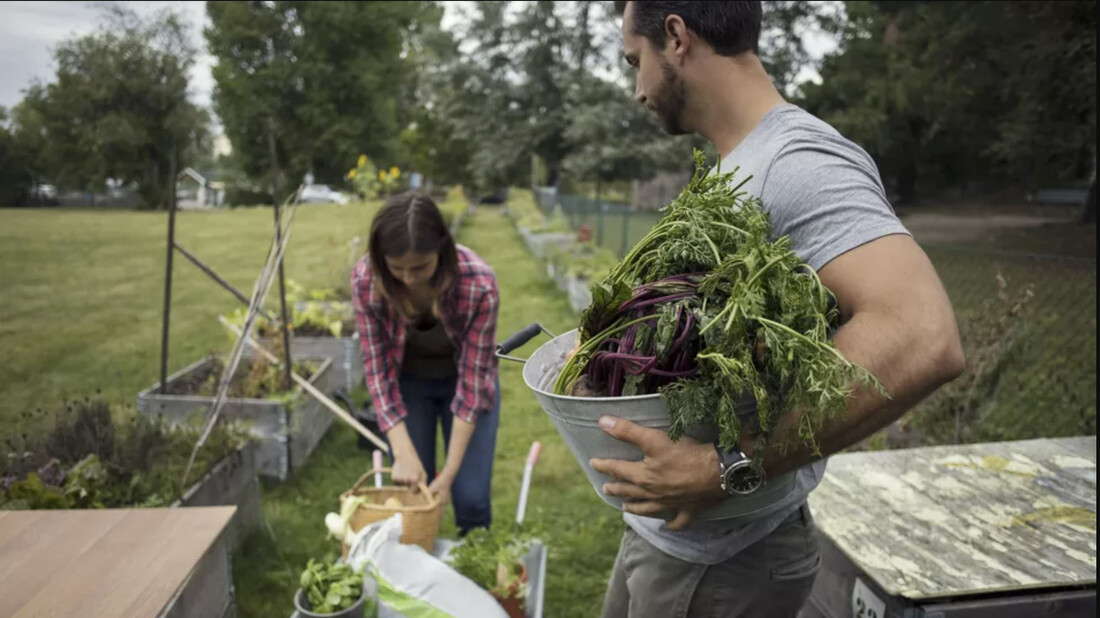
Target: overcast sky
[{"x": 30, "y": 31}]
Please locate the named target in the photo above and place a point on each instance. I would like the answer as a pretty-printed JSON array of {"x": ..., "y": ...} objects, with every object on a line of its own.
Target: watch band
[{"x": 726, "y": 459}]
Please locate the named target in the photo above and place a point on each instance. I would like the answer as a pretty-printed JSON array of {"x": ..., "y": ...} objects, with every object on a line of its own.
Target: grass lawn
[
  {"x": 82, "y": 292},
  {"x": 582, "y": 533},
  {"x": 81, "y": 311}
]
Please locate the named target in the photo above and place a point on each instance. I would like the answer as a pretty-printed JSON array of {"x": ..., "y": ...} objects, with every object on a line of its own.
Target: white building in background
[{"x": 199, "y": 189}]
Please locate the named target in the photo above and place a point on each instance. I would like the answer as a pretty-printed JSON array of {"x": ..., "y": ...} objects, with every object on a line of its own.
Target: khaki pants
[{"x": 769, "y": 579}]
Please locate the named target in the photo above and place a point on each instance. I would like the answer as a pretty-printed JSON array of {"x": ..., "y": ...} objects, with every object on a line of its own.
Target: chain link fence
[{"x": 1028, "y": 322}]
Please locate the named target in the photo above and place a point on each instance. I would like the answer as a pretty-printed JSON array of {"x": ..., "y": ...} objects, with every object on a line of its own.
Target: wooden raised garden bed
[
  {"x": 287, "y": 429},
  {"x": 232, "y": 482}
]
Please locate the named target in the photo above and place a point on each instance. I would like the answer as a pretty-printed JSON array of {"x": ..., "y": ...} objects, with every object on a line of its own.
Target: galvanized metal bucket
[{"x": 577, "y": 420}]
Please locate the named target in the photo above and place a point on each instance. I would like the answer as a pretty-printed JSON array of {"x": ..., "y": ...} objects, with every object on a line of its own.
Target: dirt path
[{"x": 943, "y": 228}]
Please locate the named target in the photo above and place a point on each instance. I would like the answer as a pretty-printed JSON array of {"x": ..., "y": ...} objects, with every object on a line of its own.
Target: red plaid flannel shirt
[{"x": 469, "y": 315}]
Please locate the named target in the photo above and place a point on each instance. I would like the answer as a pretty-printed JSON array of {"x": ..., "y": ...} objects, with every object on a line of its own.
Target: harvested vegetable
[
  {"x": 707, "y": 309},
  {"x": 339, "y": 524},
  {"x": 330, "y": 587}
]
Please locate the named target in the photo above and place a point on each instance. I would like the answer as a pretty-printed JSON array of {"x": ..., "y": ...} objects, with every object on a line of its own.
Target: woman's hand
[
  {"x": 441, "y": 486},
  {"x": 407, "y": 467},
  {"x": 407, "y": 470}
]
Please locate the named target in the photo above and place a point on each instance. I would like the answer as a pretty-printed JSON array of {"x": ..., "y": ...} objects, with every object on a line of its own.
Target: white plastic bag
[{"x": 412, "y": 583}]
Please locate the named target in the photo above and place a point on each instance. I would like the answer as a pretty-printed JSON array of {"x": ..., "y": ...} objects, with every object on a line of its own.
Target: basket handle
[{"x": 369, "y": 473}]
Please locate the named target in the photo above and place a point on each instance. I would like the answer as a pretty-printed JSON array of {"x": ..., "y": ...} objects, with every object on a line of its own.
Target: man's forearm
[{"x": 910, "y": 364}]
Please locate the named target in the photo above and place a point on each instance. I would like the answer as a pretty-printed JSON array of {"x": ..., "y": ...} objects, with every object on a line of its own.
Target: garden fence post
[
  {"x": 626, "y": 230},
  {"x": 169, "y": 250}
]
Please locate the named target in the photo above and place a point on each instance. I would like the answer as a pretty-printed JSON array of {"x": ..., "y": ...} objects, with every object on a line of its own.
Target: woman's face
[{"x": 413, "y": 269}]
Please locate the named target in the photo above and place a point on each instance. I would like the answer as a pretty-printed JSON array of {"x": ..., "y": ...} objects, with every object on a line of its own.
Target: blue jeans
[{"x": 428, "y": 402}]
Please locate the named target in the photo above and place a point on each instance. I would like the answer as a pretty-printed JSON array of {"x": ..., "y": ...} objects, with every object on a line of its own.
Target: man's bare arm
[{"x": 899, "y": 325}]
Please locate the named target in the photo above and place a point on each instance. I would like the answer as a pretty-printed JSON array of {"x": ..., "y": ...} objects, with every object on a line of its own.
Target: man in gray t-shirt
[{"x": 698, "y": 71}]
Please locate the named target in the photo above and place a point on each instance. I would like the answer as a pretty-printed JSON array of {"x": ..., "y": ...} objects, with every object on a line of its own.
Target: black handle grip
[{"x": 518, "y": 339}]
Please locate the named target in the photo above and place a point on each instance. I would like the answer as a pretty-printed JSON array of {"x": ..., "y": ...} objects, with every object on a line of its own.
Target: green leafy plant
[
  {"x": 708, "y": 308},
  {"x": 140, "y": 465},
  {"x": 364, "y": 176},
  {"x": 585, "y": 260},
  {"x": 493, "y": 559},
  {"x": 313, "y": 313},
  {"x": 331, "y": 588},
  {"x": 255, "y": 378}
]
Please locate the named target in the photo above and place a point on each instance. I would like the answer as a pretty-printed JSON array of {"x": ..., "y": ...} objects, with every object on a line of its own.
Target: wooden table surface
[
  {"x": 960, "y": 520},
  {"x": 100, "y": 563}
]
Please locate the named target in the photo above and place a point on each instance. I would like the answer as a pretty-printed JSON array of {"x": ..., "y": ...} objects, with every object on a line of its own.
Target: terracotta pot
[{"x": 514, "y": 605}]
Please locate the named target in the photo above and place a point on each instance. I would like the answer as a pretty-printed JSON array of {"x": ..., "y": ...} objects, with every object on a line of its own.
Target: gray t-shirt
[{"x": 824, "y": 192}]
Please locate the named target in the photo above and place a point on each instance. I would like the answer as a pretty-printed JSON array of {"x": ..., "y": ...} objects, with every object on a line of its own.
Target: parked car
[
  {"x": 44, "y": 195},
  {"x": 322, "y": 194}
]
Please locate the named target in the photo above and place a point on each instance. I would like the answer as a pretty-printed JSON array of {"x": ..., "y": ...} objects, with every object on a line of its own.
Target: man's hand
[{"x": 679, "y": 476}]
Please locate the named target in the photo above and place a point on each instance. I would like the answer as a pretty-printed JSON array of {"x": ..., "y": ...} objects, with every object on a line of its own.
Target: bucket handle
[{"x": 518, "y": 339}]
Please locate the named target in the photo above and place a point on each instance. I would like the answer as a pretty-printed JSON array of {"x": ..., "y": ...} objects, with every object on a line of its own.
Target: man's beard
[{"x": 670, "y": 101}]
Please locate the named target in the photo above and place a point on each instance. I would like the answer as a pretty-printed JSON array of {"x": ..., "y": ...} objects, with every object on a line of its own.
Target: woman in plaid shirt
[{"x": 426, "y": 311}]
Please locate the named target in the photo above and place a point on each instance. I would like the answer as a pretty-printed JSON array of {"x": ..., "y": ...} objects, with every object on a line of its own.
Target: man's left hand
[{"x": 679, "y": 476}]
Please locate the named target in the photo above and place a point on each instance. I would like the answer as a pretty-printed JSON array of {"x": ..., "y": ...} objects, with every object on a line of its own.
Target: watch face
[{"x": 744, "y": 479}]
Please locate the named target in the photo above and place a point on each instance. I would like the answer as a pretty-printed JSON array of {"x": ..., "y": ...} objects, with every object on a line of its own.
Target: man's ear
[{"x": 678, "y": 37}]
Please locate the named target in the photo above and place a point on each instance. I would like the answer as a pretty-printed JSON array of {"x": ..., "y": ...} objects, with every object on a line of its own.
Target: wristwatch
[{"x": 736, "y": 472}]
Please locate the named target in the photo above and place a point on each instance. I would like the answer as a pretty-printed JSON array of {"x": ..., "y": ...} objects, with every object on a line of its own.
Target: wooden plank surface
[
  {"x": 959, "y": 520},
  {"x": 100, "y": 563}
]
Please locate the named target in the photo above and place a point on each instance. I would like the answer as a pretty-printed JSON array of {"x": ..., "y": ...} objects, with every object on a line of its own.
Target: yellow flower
[
  {"x": 351, "y": 174},
  {"x": 382, "y": 175},
  {"x": 395, "y": 173},
  {"x": 362, "y": 160}
]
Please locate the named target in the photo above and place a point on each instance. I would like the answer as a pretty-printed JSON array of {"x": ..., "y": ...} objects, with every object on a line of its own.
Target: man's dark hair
[{"x": 731, "y": 28}]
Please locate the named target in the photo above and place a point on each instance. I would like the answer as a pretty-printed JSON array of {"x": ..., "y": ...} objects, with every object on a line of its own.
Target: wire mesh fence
[{"x": 1032, "y": 368}]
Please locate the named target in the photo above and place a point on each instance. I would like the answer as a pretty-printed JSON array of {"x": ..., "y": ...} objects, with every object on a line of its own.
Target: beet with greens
[{"x": 707, "y": 309}]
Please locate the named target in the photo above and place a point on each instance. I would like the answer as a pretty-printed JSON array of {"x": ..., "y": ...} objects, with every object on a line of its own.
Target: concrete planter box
[
  {"x": 539, "y": 243},
  {"x": 346, "y": 355},
  {"x": 286, "y": 435},
  {"x": 231, "y": 482},
  {"x": 580, "y": 296}
]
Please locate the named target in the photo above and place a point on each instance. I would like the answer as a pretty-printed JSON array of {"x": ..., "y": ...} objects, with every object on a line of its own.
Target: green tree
[
  {"x": 118, "y": 107},
  {"x": 308, "y": 86},
  {"x": 957, "y": 95},
  {"x": 428, "y": 143},
  {"x": 611, "y": 137},
  {"x": 15, "y": 172}
]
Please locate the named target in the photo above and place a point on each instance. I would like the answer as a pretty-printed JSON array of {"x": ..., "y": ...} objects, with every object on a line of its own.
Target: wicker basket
[{"x": 420, "y": 517}]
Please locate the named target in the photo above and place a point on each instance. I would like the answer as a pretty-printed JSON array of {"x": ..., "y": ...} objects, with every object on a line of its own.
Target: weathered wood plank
[
  {"x": 958, "y": 520},
  {"x": 94, "y": 563}
]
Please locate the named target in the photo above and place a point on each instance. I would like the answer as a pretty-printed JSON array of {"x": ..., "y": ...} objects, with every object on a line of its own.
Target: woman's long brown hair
[{"x": 411, "y": 223}]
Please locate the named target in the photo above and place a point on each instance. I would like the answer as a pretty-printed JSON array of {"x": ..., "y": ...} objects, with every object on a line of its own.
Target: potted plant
[
  {"x": 83, "y": 456},
  {"x": 495, "y": 560},
  {"x": 332, "y": 591}
]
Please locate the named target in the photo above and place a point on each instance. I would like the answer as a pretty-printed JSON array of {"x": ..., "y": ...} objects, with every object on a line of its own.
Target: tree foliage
[
  {"x": 954, "y": 94},
  {"x": 116, "y": 109},
  {"x": 308, "y": 86}
]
